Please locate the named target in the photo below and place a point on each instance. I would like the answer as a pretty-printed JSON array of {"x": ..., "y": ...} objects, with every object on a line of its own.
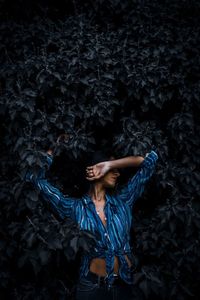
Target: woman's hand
[
  {"x": 97, "y": 171},
  {"x": 64, "y": 137}
]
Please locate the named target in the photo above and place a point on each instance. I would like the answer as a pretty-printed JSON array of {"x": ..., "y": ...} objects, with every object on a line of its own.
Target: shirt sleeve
[
  {"x": 131, "y": 191},
  {"x": 64, "y": 206}
]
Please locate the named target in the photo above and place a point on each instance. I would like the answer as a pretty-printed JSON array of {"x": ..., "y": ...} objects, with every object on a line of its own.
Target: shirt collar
[{"x": 109, "y": 199}]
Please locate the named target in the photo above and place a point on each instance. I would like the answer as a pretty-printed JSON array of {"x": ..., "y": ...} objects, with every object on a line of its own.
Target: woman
[{"x": 106, "y": 272}]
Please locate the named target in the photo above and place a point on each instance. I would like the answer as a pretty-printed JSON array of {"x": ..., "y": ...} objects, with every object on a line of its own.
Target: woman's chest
[{"x": 111, "y": 219}]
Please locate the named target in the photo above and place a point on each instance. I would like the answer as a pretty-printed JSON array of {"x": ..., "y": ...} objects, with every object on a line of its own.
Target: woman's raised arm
[
  {"x": 63, "y": 205},
  {"x": 131, "y": 191}
]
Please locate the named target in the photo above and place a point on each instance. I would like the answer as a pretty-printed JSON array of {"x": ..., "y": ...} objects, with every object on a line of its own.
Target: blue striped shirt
[{"x": 114, "y": 237}]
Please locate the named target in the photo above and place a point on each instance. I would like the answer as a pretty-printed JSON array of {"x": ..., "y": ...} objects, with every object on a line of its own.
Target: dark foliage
[{"x": 117, "y": 74}]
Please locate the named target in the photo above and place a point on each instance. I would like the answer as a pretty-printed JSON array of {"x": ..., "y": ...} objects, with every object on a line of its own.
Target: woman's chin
[{"x": 111, "y": 185}]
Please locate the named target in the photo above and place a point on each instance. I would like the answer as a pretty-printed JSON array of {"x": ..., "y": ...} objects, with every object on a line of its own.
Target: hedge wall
[{"x": 120, "y": 75}]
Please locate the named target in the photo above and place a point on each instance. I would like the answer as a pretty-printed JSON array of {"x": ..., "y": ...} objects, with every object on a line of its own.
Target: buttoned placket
[{"x": 104, "y": 228}]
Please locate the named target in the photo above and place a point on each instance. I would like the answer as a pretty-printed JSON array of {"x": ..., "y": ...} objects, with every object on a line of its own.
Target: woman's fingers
[
  {"x": 93, "y": 177},
  {"x": 89, "y": 168},
  {"x": 90, "y": 178},
  {"x": 89, "y": 172},
  {"x": 93, "y": 172},
  {"x": 90, "y": 175}
]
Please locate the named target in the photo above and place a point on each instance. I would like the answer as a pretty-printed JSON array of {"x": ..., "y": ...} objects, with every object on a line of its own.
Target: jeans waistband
[{"x": 102, "y": 280}]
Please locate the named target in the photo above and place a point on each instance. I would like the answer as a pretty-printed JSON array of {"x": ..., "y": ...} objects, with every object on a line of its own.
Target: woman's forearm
[{"x": 129, "y": 161}]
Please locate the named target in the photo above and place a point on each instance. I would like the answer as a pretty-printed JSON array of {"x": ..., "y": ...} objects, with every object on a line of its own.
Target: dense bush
[{"x": 114, "y": 74}]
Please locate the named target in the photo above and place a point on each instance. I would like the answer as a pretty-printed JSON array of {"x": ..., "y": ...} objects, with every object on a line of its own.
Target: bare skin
[{"x": 104, "y": 175}]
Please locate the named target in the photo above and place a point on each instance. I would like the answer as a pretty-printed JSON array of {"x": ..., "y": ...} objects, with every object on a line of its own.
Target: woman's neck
[{"x": 97, "y": 192}]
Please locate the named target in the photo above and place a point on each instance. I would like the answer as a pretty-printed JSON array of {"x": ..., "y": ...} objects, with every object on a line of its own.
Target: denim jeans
[{"x": 88, "y": 290}]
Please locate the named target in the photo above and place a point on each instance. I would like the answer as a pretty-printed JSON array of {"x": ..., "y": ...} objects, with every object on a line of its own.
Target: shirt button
[{"x": 105, "y": 234}]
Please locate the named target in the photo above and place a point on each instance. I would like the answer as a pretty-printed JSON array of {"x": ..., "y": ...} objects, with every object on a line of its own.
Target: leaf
[
  {"x": 74, "y": 243},
  {"x": 44, "y": 256},
  {"x": 156, "y": 279},
  {"x": 31, "y": 239},
  {"x": 57, "y": 75},
  {"x": 30, "y": 159},
  {"x": 108, "y": 76},
  {"x": 30, "y": 93},
  {"x": 33, "y": 195},
  {"x": 84, "y": 81},
  {"x": 143, "y": 285}
]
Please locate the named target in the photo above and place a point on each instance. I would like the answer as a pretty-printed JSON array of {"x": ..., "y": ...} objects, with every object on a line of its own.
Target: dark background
[{"x": 117, "y": 75}]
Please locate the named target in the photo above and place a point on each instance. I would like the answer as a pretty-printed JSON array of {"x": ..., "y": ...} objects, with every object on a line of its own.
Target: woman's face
[{"x": 110, "y": 178}]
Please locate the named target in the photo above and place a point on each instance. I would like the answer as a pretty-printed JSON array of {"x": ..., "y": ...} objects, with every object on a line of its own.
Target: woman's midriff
[{"x": 98, "y": 265}]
